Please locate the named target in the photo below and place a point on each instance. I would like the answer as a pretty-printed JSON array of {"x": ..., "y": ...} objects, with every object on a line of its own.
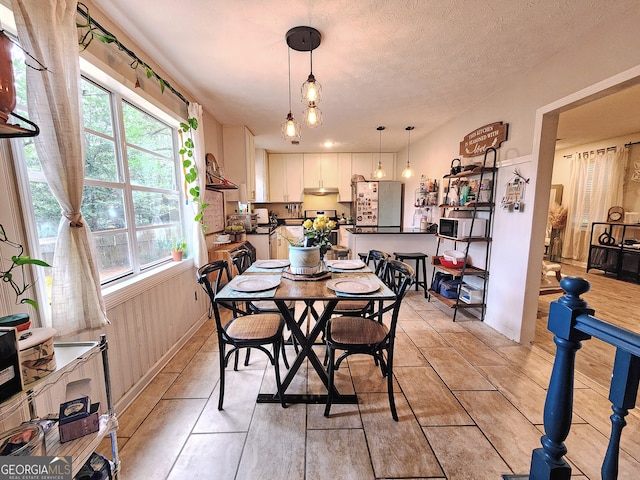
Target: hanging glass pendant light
[
  {"x": 307, "y": 39},
  {"x": 311, "y": 90},
  {"x": 312, "y": 115},
  {"x": 408, "y": 171},
  {"x": 290, "y": 128},
  {"x": 379, "y": 172}
]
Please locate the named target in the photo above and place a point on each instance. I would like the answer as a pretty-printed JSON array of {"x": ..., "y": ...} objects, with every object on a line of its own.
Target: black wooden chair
[
  {"x": 243, "y": 331},
  {"x": 361, "y": 335},
  {"x": 241, "y": 258}
]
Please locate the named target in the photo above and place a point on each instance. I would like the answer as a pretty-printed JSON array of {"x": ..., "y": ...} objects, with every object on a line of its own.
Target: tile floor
[{"x": 470, "y": 403}]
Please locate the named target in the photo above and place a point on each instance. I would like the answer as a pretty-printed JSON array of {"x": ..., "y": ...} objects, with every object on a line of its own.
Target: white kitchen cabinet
[
  {"x": 365, "y": 163},
  {"x": 260, "y": 242},
  {"x": 292, "y": 232},
  {"x": 320, "y": 170},
  {"x": 239, "y": 160},
  {"x": 261, "y": 174},
  {"x": 285, "y": 177},
  {"x": 344, "y": 177}
]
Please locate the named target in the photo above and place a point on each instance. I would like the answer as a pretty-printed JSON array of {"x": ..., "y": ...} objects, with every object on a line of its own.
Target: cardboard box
[{"x": 78, "y": 418}]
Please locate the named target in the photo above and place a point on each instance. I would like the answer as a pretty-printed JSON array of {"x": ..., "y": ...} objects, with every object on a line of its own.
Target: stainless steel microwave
[{"x": 461, "y": 228}]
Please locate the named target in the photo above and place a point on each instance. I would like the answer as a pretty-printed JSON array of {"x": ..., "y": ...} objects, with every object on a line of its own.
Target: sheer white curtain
[
  {"x": 47, "y": 29},
  {"x": 596, "y": 184},
  {"x": 200, "y": 254}
]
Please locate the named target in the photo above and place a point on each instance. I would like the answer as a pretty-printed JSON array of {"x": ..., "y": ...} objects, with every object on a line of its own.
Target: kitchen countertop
[{"x": 387, "y": 230}]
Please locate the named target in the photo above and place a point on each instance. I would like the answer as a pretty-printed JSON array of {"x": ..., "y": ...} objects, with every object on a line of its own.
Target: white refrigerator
[{"x": 378, "y": 204}]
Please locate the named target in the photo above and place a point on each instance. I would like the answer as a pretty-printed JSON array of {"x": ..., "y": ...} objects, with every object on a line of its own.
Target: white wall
[{"x": 517, "y": 249}]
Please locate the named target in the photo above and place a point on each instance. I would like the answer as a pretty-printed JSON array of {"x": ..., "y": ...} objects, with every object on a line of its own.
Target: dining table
[{"x": 320, "y": 292}]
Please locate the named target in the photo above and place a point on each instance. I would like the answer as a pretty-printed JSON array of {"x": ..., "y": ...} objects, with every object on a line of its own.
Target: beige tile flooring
[{"x": 469, "y": 401}]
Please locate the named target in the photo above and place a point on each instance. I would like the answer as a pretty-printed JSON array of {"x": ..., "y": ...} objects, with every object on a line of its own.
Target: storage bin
[
  {"x": 25, "y": 440},
  {"x": 36, "y": 353},
  {"x": 454, "y": 257},
  {"x": 470, "y": 294}
]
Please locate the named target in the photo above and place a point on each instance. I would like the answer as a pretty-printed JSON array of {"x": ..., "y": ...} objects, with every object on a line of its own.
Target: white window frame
[{"x": 120, "y": 290}]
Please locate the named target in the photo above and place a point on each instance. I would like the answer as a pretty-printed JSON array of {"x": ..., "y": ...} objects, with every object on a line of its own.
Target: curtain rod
[
  {"x": 130, "y": 53},
  {"x": 631, "y": 143},
  {"x": 597, "y": 150}
]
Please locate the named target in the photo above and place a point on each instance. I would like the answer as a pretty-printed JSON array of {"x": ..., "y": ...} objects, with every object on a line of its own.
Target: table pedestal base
[{"x": 306, "y": 398}]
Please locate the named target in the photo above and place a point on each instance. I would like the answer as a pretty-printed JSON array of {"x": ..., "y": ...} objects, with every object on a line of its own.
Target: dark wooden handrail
[{"x": 572, "y": 321}]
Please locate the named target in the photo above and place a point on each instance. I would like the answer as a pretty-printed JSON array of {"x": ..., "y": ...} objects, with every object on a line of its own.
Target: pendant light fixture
[
  {"x": 307, "y": 39},
  {"x": 379, "y": 172},
  {"x": 290, "y": 128},
  {"x": 408, "y": 171}
]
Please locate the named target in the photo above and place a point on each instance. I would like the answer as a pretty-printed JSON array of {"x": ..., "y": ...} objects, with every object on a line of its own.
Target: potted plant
[
  {"x": 178, "y": 250},
  {"x": 307, "y": 253},
  {"x": 18, "y": 262}
]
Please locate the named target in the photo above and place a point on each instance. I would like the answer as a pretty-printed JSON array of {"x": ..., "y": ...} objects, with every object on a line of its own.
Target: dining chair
[
  {"x": 241, "y": 258},
  {"x": 364, "y": 307},
  {"x": 362, "y": 335},
  {"x": 241, "y": 331}
]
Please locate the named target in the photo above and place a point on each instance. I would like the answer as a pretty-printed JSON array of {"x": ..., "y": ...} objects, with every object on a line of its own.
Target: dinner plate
[
  {"x": 272, "y": 263},
  {"x": 352, "y": 285},
  {"x": 254, "y": 284},
  {"x": 347, "y": 264}
]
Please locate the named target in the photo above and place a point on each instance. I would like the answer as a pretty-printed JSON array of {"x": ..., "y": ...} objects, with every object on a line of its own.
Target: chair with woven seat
[
  {"x": 244, "y": 331},
  {"x": 363, "y": 307},
  {"x": 366, "y": 335},
  {"x": 421, "y": 261},
  {"x": 241, "y": 259}
]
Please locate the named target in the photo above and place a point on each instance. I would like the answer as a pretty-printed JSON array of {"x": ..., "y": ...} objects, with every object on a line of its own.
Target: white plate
[
  {"x": 347, "y": 264},
  {"x": 272, "y": 263},
  {"x": 254, "y": 284},
  {"x": 352, "y": 285}
]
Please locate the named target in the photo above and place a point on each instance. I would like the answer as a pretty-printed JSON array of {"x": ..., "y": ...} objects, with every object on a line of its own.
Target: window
[{"x": 131, "y": 198}]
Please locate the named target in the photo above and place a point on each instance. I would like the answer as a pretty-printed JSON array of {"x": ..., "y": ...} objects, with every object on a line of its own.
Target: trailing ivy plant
[
  {"x": 96, "y": 31},
  {"x": 191, "y": 169}
]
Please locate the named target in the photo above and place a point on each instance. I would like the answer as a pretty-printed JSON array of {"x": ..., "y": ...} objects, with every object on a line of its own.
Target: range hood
[{"x": 320, "y": 191}]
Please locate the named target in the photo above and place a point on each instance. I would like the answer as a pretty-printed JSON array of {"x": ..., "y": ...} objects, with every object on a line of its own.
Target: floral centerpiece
[{"x": 317, "y": 232}]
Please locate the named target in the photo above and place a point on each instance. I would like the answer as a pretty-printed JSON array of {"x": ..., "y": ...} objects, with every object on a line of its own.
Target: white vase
[{"x": 304, "y": 260}]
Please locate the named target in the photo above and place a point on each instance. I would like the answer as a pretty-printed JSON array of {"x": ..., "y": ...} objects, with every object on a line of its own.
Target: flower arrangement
[{"x": 316, "y": 233}]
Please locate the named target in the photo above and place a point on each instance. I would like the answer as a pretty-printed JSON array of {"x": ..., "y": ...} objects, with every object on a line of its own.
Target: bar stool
[{"x": 420, "y": 258}]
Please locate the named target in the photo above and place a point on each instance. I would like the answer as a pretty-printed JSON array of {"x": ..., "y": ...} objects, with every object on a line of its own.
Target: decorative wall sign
[
  {"x": 477, "y": 142},
  {"x": 514, "y": 193}
]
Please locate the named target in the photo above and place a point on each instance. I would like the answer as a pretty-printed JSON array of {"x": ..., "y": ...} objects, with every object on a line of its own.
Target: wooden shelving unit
[{"x": 484, "y": 174}]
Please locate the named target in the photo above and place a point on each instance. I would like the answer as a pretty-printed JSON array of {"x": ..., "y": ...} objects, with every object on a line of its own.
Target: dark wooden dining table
[{"x": 317, "y": 295}]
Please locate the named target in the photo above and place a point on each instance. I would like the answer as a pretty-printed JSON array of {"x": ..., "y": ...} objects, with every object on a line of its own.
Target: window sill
[{"x": 122, "y": 292}]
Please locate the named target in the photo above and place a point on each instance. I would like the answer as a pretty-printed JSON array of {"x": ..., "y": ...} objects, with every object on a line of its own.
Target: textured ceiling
[{"x": 392, "y": 63}]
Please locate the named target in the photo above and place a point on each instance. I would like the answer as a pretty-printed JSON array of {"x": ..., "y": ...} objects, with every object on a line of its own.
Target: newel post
[{"x": 547, "y": 463}]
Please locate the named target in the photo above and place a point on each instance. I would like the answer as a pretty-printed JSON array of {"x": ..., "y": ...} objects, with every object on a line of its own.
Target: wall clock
[{"x": 615, "y": 214}]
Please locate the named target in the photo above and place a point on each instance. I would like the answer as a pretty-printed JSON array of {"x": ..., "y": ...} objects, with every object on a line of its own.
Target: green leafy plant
[
  {"x": 180, "y": 245},
  {"x": 18, "y": 262}
]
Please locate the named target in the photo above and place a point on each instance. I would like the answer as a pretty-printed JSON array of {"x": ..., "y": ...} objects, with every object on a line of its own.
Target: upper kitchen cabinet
[
  {"x": 285, "y": 177},
  {"x": 344, "y": 177},
  {"x": 261, "y": 188},
  {"x": 320, "y": 170},
  {"x": 365, "y": 163},
  {"x": 239, "y": 160}
]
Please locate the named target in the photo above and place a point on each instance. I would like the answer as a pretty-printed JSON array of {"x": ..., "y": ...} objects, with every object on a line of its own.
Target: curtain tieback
[{"x": 74, "y": 219}]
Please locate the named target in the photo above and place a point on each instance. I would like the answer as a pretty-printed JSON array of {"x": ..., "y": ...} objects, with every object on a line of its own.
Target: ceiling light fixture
[
  {"x": 307, "y": 39},
  {"x": 408, "y": 171},
  {"x": 379, "y": 172},
  {"x": 290, "y": 128}
]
